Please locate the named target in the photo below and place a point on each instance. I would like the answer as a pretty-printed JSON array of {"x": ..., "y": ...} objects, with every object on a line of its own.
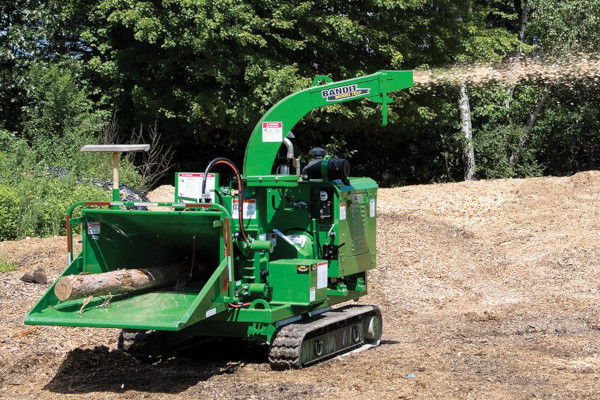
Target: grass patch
[{"x": 6, "y": 265}]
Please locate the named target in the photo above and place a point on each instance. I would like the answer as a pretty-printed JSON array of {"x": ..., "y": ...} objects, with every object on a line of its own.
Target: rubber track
[
  {"x": 135, "y": 343},
  {"x": 285, "y": 348}
]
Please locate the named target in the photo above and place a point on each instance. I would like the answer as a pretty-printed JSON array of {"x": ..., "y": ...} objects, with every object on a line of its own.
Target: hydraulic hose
[{"x": 228, "y": 162}]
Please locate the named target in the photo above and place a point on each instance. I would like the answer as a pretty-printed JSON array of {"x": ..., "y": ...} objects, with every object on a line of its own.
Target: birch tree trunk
[
  {"x": 530, "y": 124},
  {"x": 467, "y": 130}
]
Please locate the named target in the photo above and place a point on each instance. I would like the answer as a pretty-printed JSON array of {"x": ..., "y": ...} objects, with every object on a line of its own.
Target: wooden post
[
  {"x": 115, "y": 150},
  {"x": 115, "y": 190}
]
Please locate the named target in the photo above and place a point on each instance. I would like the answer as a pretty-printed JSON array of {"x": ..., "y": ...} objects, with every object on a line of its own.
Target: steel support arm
[{"x": 270, "y": 131}]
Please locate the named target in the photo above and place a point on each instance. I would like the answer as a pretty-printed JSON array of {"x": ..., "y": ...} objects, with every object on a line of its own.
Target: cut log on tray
[{"x": 117, "y": 282}]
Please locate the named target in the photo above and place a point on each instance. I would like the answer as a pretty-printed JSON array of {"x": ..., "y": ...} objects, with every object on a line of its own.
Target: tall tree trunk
[
  {"x": 467, "y": 130},
  {"x": 524, "y": 11},
  {"x": 530, "y": 124}
]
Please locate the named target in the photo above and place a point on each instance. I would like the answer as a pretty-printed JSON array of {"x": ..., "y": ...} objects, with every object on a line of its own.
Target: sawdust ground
[{"x": 488, "y": 289}]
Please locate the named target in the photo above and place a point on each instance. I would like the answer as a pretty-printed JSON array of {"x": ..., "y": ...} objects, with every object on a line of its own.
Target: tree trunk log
[
  {"x": 117, "y": 282},
  {"x": 530, "y": 124},
  {"x": 467, "y": 130}
]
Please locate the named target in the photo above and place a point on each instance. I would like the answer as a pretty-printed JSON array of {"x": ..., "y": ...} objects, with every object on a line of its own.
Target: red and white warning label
[
  {"x": 342, "y": 211},
  {"x": 189, "y": 186},
  {"x": 272, "y": 132},
  {"x": 249, "y": 209},
  {"x": 322, "y": 275},
  {"x": 93, "y": 228}
]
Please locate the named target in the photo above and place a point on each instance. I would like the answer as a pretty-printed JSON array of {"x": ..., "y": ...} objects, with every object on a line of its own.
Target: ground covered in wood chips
[{"x": 488, "y": 289}]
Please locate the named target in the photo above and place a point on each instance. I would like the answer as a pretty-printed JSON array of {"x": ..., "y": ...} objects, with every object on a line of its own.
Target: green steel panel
[
  {"x": 359, "y": 227},
  {"x": 295, "y": 281}
]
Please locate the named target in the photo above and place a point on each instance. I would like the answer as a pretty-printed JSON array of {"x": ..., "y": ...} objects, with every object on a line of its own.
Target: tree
[
  {"x": 208, "y": 70},
  {"x": 467, "y": 130}
]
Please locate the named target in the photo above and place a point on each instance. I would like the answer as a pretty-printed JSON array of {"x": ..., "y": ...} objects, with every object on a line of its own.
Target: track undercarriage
[
  {"x": 338, "y": 331},
  {"x": 295, "y": 345}
]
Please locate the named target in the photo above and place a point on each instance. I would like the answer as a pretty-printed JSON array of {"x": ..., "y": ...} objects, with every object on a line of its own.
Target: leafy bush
[
  {"x": 9, "y": 212},
  {"x": 42, "y": 171},
  {"x": 43, "y": 202}
]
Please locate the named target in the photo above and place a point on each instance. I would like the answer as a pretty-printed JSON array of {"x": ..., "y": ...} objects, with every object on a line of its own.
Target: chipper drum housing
[{"x": 264, "y": 256}]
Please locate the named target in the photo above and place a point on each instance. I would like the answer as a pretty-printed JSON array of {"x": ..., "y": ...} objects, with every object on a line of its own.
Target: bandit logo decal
[
  {"x": 302, "y": 269},
  {"x": 344, "y": 92}
]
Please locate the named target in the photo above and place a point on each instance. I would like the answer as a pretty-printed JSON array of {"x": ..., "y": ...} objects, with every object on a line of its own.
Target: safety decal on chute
[
  {"x": 93, "y": 230},
  {"x": 211, "y": 312},
  {"x": 272, "y": 132}
]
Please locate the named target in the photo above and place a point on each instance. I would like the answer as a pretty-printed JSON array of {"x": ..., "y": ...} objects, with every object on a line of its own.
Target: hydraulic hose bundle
[{"x": 228, "y": 162}]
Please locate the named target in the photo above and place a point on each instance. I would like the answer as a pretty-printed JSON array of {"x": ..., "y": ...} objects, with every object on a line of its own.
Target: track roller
[{"x": 326, "y": 335}]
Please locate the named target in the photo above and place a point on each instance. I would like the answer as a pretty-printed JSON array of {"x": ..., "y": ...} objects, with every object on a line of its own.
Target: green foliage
[
  {"x": 500, "y": 115},
  {"x": 566, "y": 26},
  {"x": 42, "y": 171},
  {"x": 60, "y": 117},
  {"x": 44, "y": 201},
  {"x": 209, "y": 69},
  {"x": 567, "y": 138},
  {"x": 9, "y": 212}
]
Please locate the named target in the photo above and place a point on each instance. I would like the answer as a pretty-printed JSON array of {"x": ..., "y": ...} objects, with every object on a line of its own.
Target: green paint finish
[
  {"x": 296, "y": 281},
  {"x": 136, "y": 239},
  {"x": 132, "y": 239},
  {"x": 359, "y": 228},
  {"x": 273, "y": 181},
  {"x": 116, "y": 197}
]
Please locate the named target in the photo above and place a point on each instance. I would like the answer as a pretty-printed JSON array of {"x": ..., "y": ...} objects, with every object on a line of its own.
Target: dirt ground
[{"x": 488, "y": 289}]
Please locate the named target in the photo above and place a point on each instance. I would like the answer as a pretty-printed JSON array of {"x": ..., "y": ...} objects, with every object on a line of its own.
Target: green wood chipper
[{"x": 268, "y": 253}]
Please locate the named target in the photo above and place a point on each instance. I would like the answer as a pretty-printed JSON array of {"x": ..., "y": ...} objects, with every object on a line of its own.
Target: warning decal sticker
[
  {"x": 189, "y": 185},
  {"x": 342, "y": 211},
  {"x": 322, "y": 275},
  {"x": 302, "y": 269},
  {"x": 272, "y": 132},
  {"x": 93, "y": 229},
  {"x": 249, "y": 209},
  {"x": 313, "y": 294},
  {"x": 211, "y": 312},
  {"x": 273, "y": 238}
]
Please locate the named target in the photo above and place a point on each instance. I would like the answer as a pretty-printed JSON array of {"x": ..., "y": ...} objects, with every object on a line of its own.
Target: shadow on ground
[{"x": 102, "y": 370}]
